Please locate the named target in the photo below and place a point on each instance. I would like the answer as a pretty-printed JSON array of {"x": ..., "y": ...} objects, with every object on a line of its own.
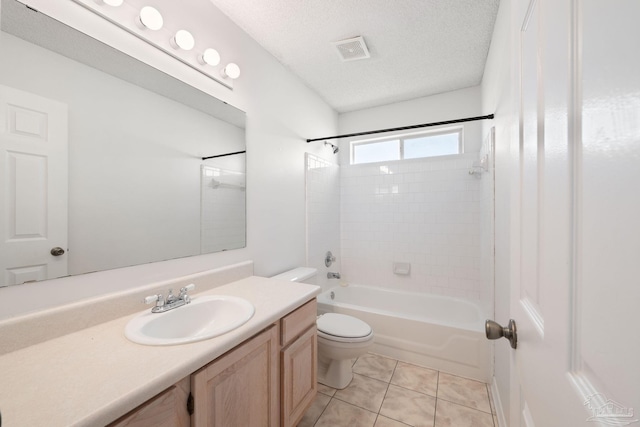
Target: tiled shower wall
[
  {"x": 423, "y": 212},
  {"x": 323, "y": 215}
]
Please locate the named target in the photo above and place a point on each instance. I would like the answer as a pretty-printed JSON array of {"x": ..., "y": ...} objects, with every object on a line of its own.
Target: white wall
[
  {"x": 281, "y": 113},
  {"x": 498, "y": 97}
]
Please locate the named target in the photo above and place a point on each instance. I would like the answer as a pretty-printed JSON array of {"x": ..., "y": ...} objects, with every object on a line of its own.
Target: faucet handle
[
  {"x": 184, "y": 290},
  {"x": 153, "y": 298}
]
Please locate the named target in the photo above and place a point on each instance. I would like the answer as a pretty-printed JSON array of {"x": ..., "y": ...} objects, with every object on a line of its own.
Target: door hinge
[{"x": 190, "y": 404}]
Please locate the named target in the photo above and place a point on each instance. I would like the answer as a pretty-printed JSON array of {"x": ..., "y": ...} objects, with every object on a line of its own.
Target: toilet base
[
  {"x": 336, "y": 358},
  {"x": 335, "y": 373}
]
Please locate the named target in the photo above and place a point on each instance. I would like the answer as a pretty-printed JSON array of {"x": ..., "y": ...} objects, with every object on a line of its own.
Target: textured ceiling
[{"x": 418, "y": 47}]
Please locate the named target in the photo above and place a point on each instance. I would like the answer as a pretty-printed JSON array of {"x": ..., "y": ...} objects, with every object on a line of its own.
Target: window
[{"x": 408, "y": 146}]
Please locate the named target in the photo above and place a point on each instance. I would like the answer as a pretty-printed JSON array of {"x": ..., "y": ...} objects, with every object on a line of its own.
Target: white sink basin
[{"x": 205, "y": 317}]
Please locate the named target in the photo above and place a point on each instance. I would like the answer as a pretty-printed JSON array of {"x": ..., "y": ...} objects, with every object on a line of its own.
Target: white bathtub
[{"x": 440, "y": 332}]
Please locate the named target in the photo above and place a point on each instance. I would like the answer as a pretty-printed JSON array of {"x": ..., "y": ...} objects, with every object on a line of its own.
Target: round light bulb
[
  {"x": 183, "y": 40},
  {"x": 231, "y": 70},
  {"x": 209, "y": 57},
  {"x": 114, "y": 3},
  {"x": 150, "y": 18}
]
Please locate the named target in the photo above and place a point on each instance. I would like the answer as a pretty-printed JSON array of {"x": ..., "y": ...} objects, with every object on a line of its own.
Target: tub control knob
[
  {"x": 494, "y": 331},
  {"x": 329, "y": 259}
]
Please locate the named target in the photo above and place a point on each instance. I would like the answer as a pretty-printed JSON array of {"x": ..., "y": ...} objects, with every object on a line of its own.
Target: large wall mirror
[{"x": 102, "y": 157}]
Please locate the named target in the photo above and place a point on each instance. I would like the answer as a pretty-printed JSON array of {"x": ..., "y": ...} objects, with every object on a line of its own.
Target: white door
[
  {"x": 575, "y": 293},
  {"x": 33, "y": 184}
]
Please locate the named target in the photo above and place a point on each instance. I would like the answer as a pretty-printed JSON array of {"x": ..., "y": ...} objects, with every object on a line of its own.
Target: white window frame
[{"x": 402, "y": 137}]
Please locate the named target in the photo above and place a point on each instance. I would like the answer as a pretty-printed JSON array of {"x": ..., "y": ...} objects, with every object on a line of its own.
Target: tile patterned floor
[{"x": 388, "y": 393}]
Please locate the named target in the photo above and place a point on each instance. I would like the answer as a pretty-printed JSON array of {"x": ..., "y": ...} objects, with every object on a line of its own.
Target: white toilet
[{"x": 341, "y": 338}]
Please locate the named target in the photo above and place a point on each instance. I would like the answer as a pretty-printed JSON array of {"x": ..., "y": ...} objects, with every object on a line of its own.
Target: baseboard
[{"x": 497, "y": 403}]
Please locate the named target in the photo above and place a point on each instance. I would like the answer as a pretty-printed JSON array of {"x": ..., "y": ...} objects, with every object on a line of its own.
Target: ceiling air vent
[{"x": 352, "y": 49}]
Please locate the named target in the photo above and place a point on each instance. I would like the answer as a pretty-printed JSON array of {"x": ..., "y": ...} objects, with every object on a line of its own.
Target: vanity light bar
[
  {"x": 148, "y": 25},
  {"x": 114, "y": 3},
  {"x": 231, "y": 70},
  {"x": 183, "y": 40},
  {"x": 209, "y": 56},
  {"x": 149, "y": 17}
]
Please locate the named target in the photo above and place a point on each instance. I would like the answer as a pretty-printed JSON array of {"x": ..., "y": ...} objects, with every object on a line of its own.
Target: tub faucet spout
[{"x": 331, "y": 275}]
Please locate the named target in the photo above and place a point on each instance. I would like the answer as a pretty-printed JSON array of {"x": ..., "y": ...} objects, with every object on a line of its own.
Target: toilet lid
[{"x": 341, "y": 325}]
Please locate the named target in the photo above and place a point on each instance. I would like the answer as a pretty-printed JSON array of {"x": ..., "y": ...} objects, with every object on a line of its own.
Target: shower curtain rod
[
  {"x": 223, "y": 155},
  {"x": 446, "y": 122}
]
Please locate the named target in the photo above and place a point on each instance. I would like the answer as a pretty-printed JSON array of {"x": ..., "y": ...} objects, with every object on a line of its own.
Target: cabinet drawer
[{"x": 298, "y": 321}]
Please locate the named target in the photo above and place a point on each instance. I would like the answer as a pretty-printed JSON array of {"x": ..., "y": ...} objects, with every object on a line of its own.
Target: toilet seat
[{"x": 343, "y": 328}]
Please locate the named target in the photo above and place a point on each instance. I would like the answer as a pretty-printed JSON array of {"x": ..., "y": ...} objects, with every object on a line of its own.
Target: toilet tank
[{"x": 300, "y": 274}]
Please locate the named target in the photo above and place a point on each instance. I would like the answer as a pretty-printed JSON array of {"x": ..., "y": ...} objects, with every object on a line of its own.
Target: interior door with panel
[
  {"x": 33, "y": 184},
  {"x": 576, "y": 236}
]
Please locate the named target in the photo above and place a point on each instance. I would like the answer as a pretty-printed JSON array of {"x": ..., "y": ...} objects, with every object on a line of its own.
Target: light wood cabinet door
[
  {"x": 167, "y": 409},
  {"x": 298, "y": 376},
  {"x": 241, "y": 387}
]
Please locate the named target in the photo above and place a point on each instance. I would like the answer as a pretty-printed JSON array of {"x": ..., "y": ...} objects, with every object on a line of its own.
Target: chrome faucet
[
  {"x": 171, "y": 301},
  {"x": 331, "y": 275}
]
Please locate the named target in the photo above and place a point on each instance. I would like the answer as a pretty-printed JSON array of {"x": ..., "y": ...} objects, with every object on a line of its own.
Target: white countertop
[{"x": 94, "y": 376}]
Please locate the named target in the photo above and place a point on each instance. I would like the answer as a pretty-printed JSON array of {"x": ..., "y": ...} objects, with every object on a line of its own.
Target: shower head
[{"x": 334, "y": 147}]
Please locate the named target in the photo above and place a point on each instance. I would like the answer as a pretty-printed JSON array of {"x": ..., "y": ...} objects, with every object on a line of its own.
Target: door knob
[
  {"x": 57, "y": 251},
  {"x": 494, "y": 331}
]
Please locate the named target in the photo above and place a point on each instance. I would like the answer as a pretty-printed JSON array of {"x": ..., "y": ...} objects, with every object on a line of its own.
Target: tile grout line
[
  {"x": 353, "y": 404},
  {"x": 435, "y": 407},
  {"x": 464, "y": 406},
  {"x": 423, "y": 393},
  {"x": 415, "y": 391},
  {"x": 385, "y": 392},
  {"x": 493, "y": 420},
  {"x": 389, "y": 383},
  {"x": 385, "y": 396},
  {"x": 322, "y": 412}
]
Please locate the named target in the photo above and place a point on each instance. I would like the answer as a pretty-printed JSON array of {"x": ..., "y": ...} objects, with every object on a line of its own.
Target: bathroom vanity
[{"x": 262, "y": 373}]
